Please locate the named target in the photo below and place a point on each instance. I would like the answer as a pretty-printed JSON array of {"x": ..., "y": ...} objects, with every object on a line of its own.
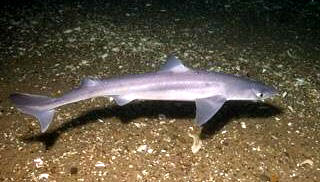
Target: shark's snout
[
  {"x": 263, "y": 91},
  {"x": 272, "y": 91}
]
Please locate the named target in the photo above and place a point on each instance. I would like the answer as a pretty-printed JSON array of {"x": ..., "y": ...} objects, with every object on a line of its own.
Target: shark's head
[{"x": 260, "y": 91}]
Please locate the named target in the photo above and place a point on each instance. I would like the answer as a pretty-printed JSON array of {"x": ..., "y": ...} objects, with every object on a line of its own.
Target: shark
[{"x": 173, "y": 82}]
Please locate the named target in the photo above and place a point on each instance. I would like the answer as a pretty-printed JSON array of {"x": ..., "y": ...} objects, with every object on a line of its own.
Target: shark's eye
[{"x": 260, "y": 94}]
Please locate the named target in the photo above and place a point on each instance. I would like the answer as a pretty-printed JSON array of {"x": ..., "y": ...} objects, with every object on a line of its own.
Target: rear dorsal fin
[
  {"x": 173, "y": 65},
  {"x": 89, "y": 82}
]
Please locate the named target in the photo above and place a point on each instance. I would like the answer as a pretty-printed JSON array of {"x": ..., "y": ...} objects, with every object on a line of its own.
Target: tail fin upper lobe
[{"x": 31, "y": 104}]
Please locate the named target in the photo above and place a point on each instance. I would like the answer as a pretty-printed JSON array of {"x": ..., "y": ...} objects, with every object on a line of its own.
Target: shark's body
[{"x": 210, "y": 90}]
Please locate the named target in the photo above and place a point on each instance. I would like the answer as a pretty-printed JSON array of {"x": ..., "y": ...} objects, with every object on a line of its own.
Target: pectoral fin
[{"x": 208, "y": 107}]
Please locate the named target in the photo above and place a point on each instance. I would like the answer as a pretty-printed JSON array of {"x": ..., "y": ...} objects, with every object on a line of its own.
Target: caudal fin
[{"x": 33, "y": 105}]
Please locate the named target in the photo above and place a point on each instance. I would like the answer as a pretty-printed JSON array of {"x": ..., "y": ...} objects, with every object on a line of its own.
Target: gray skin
[{"x": 175, "y": 82}]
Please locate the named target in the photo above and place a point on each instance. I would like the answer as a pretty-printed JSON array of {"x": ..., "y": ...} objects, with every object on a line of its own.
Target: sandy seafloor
[{"x": 48, "y": 47}]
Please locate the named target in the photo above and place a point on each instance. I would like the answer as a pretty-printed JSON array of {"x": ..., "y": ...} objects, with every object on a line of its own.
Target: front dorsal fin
[{"x": 173, "y": 65}]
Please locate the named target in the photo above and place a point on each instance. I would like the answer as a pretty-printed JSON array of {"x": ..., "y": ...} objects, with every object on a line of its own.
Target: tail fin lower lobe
[{"x": 31, "y": 104}]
